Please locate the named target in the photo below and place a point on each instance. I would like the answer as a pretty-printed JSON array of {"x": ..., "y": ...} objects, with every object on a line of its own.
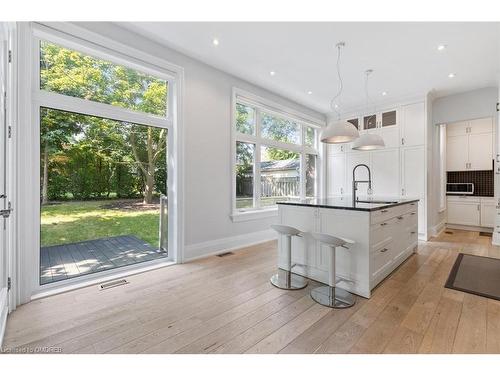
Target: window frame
[
  {"x": 260, "y": 105},
  {"x": 85, "y": 41}
]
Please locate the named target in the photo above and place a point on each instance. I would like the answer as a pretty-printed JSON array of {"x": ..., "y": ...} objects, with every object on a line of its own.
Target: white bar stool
[
  {"x": 285, "y": 279},
  {"x": 330, "y": 295}
]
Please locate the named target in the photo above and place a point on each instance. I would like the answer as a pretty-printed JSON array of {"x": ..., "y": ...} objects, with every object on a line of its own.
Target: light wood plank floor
[{"x": 227, "y": 305}]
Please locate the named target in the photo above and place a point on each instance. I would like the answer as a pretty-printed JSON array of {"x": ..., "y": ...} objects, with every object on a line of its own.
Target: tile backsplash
[{"x": 482, "y": 180}]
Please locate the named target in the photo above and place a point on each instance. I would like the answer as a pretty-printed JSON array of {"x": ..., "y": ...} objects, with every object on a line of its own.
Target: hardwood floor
[{"x": 227, "y": 305}]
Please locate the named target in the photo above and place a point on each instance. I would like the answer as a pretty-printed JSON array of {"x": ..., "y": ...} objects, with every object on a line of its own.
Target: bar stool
[
  {"x": 331, "y": 295},
  {"x": 285, "y": 279}
]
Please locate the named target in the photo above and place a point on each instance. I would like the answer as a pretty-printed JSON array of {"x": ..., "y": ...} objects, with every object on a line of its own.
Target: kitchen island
[{"x": 384, "y": 230}]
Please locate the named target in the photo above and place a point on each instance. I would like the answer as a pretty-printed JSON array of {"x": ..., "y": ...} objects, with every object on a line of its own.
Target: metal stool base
[
  {"x": 333, "y": 297},
  {"x": 282, "y": 281}
]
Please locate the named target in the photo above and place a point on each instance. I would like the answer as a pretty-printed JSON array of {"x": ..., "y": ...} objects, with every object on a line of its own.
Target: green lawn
[{"x": 79, "y": 221}]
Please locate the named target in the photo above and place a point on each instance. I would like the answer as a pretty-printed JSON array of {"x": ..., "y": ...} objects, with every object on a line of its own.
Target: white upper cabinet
[
  {"x": 334, "y": 149},
  {"x": 413, "y": 124},
  {"x": 469, "y": 145},
  {"x": 481, "y": 126},
  {"x": 457, "y": 152},
  {"x": 385, "y": 172},
  {"x": 480, "y": 150},
  {"x": 457, "y": 128}
]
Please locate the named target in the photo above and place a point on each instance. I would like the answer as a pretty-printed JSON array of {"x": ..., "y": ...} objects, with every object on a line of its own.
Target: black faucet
[{"x": 355, "y": 183}]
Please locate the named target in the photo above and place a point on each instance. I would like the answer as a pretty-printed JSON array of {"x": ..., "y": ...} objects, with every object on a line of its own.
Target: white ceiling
[{"x": 404, "y": 56}]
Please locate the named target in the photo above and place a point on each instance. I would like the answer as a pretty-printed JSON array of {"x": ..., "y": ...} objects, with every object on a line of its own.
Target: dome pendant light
[
  {"x": 338, "y": 131},
  {"x": 368, "y": 141}
]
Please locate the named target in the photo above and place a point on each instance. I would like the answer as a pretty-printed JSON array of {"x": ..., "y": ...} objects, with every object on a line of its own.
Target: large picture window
[
  {"x": 275, "y": 157},
  {"x": 106, "y": 125}
]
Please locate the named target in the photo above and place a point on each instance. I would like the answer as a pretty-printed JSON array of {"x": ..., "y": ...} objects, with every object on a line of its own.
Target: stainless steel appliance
[{"x": 460, "y": 188}]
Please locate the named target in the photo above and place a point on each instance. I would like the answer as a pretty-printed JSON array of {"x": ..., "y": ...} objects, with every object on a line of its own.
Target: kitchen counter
[
  {"x": 384, "y": 235},
  {"x": 345, "y": 203}
]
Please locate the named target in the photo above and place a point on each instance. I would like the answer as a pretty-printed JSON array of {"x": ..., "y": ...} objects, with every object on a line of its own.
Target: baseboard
[
  {"x": 214, "y": 247},
  {"x": 470, "y": 227},
  {"x": 437, "y": 229}
]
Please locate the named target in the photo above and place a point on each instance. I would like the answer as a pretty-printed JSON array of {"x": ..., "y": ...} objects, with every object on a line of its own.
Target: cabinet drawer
[
  {"x": 387, "y": 213},
  {"x": 382, "y": 232},
  {"x": 381, "y": 257}
]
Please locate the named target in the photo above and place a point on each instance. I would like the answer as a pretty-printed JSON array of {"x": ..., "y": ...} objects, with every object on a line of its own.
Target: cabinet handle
[
  {"x": 402, "y": 141},
  {"x": 383, "y": 224},
  {"x": 384, "y": 211},
  {"x": 400, "y": 217},
  {"x": 413, "y": 213},
  {"x": 479, "y": 207},
  {"x": 341, "y": 190},
  {"x": 413, "y": 232},
  {"x": 384, "y": 250},
  {"x": 402, "y": 191},
  {"x": 412, "y": 204}
]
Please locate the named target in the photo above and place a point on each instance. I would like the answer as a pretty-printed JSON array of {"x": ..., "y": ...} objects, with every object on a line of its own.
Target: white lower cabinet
[
  {"x": 488, "y": 212},
  {"x": 464, "y": 211}
]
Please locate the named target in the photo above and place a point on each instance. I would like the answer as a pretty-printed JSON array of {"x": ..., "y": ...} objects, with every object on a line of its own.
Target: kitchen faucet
[{"x": 355, "y": 183}]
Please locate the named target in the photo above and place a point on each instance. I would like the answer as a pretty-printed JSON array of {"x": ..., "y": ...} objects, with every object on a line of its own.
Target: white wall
[
  {"x": 207, "y": 126},
  {"x": 465, "y": 106}
]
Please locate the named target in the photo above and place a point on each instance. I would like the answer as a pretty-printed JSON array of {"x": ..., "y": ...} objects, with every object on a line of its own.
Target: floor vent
[
  {"x": 222, "y": 255},
  {"x": 113, "y": 284},
  {"x": 486, "y": 234},
  {"x": 448, "y": 232}
]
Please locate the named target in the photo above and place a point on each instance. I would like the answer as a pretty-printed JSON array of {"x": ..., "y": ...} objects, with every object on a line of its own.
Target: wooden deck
[
  {"x": 227, "y": 305},
  {"x": 75, "y": 259}
]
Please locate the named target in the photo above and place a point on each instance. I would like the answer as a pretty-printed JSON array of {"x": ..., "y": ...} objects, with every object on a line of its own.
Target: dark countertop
[{"x": 345, "y": 203}]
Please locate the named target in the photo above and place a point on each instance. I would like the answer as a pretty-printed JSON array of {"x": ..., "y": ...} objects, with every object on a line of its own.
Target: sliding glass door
[{"x": 103, "y": 187}]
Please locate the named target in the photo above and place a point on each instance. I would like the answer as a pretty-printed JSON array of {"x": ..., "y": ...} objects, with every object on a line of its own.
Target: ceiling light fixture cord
[
  {"x": 368, "y": 99},
  {"x": 341, "y": 83}
]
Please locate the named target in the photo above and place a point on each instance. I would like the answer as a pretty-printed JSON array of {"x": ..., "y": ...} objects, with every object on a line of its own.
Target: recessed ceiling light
[
  {"x": 384, "y": 93},
  {"x": 451, "y": 75},
  {"x": 310, "y": 92},
  {"x": 215, "y": 42},
  {"x": 336, "y": 105},
  {"x": 441, "y": 47},
  {"x": 272, "y": 72}
]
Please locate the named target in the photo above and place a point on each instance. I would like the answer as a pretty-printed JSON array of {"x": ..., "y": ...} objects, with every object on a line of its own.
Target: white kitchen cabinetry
[
  {"x": 385, "y": 172},
  {"x": 469, "y": 145},
  {"x": 354, "y": 159},
  {"x": 488, "y": 212},
  {"x": 457, "y": 153},
  {"x": 480, "y": 151},
  {"x": 413, "y": 183},
  {"x": 413, "y": 124},
  {"x": 383, "y": 239},
  {"x": 335, "y": 149},
  {"x": 464, "y": 211},
  {"x": 336, "y": 174},
  {"x": 471, "y": 211}
]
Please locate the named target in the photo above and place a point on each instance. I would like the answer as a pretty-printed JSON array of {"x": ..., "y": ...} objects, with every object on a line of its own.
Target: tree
[{"x": 71, "y": 73}]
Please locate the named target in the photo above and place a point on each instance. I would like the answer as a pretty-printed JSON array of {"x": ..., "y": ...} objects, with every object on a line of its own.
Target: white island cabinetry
[{"x": 384, "y": 237}]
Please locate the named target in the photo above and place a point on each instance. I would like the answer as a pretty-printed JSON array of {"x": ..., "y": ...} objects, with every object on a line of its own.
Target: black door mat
[{"x": 475, "y": 275}]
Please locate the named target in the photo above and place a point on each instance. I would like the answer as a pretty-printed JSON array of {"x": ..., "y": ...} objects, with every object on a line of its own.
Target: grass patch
[{"x": 70, "y": 222}]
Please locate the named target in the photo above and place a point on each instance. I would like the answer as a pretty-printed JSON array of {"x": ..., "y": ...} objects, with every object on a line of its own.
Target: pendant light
[
  {"x": 338, "y": 131},
  {"x": 368, "y": 141}
]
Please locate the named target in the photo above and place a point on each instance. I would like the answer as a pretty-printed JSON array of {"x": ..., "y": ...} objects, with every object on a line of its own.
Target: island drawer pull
[
  {"x": 413, "y": 232},
  {"x": 400, "y": 217},
  {"x": 384, "y": 211},
  {"x": 384, "y": 250},
  {"x": 413, "y": 213},
  {"x": 383, "y": 224}
]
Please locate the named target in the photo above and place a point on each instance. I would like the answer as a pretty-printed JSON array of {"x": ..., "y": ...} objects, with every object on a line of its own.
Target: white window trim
[
  {"x": 32, "y": 98},
  {"x": 262, "y": 104}
]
